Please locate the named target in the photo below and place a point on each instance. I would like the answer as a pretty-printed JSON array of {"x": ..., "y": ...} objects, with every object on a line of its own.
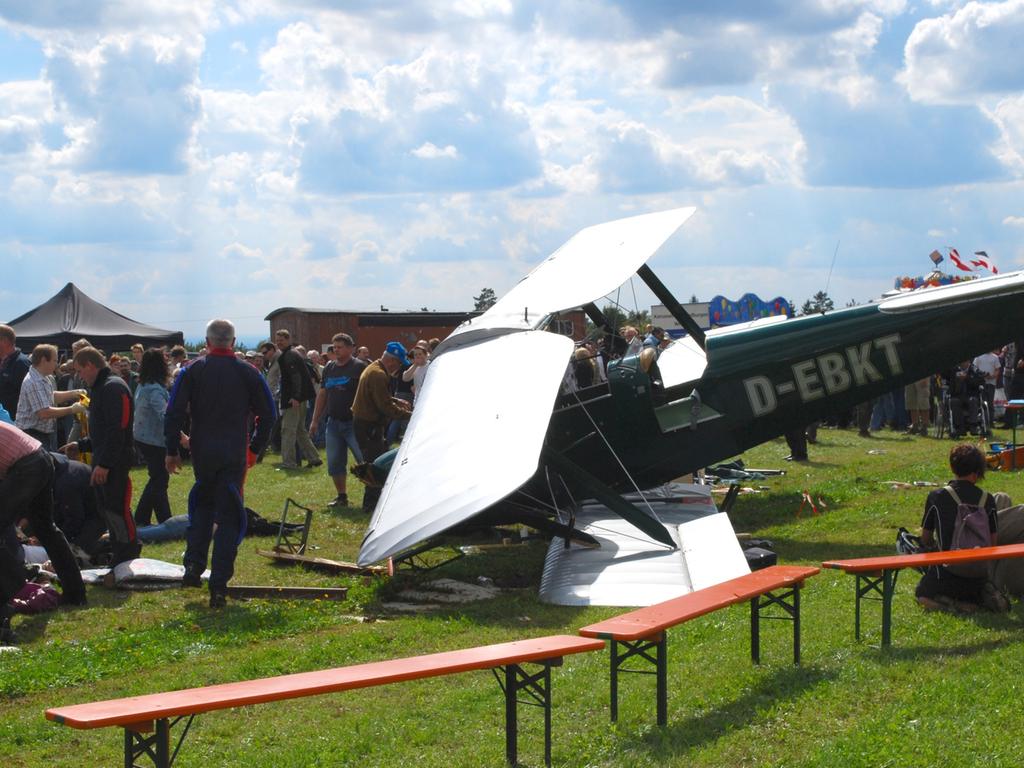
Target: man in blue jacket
[{"x": 218, "y": 392}]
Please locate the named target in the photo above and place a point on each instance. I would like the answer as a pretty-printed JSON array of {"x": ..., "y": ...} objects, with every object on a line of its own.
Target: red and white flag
[
  {"x": 982, "y": 261},
  {"x": 955, "y": 258}
]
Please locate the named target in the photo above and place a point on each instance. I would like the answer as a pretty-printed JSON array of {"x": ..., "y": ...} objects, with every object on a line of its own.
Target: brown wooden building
[{"x": 313, "y": 328}]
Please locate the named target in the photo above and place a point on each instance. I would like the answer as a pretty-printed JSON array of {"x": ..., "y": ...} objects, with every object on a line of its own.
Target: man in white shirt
[
  {"x": 39, "y": 406},
  {"x": 989, "y": 365}
]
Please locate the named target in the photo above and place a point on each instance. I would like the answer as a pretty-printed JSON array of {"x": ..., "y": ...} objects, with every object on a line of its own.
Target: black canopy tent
[{"x": 71, "y": 315}]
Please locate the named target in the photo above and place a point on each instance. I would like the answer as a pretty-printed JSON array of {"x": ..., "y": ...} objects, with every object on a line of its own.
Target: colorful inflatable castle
[{"x": 723, "y": 311}]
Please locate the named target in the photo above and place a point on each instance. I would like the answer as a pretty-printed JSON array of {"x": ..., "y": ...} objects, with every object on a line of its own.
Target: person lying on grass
[{"x": 964, "y": 587}]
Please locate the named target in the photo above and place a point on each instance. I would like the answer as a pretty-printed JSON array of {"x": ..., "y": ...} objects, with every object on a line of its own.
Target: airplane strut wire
[{"x": 618, "y": 461}]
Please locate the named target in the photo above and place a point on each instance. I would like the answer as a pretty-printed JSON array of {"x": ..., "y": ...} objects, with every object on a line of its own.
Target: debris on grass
[{"x": 450, "y": 591}]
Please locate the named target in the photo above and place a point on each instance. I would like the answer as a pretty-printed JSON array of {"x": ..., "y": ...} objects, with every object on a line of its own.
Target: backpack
[{"x": 969, "y": 532}]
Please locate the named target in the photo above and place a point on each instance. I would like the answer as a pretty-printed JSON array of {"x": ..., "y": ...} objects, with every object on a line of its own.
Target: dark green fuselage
[{"x": 763, "y": 381}]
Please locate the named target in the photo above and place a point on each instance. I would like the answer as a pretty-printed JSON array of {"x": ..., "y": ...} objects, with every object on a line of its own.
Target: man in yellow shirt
[{"x": 374, "y": 405}]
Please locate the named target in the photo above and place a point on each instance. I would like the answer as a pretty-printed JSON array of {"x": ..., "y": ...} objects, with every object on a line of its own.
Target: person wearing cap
[{"x": 373, "y": 406}]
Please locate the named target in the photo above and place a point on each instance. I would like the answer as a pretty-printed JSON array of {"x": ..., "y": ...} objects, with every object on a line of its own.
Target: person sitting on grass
[{"x": 949, "y": 587}]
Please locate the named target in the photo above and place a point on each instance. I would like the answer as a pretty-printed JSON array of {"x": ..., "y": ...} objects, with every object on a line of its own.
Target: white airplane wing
[
  {"x": 593, "y": 263},
  {"x": 481, "y": 417},
  {"x": 957, "y": 293},
  {"x": 474, "y": 437}
]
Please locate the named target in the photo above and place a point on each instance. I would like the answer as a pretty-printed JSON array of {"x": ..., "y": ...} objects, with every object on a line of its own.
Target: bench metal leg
[
  {"x": 662, "y": 680},
  {"x": 789, "y": 601},
  {"x": 888, "y": 588},
  {"x": 153, "y": 740},
  {"x": 884, "y": 586},
  {"x": 537, "y": 687},
  {"x": 755, "y": 630},
  {"x": 659, "y": 659},
  {"x": 614, "y": 680}
]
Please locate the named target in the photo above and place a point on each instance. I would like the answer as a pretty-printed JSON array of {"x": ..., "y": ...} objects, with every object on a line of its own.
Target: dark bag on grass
[
  {"x": 257, "y": 525},
  {"x": 35, "y": 598},
  {"x": 909, "y": 544},
  {"x": 970, "y": 532}
]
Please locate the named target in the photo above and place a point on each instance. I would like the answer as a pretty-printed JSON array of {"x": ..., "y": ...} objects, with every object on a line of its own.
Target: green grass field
[{"x": 946, "y": 693}]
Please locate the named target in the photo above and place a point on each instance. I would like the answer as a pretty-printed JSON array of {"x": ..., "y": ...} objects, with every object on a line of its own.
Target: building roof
[{"x": 404, "y": 317}]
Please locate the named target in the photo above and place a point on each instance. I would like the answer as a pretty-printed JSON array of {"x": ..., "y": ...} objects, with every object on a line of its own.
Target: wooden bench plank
[
  {"x": 922, "y": 559},
  {"x": 140, "y": 709},
  {"x": 648, "y": 621},
  {"x": 641, "y": 633},
  {"x": 878, "y": 575}
]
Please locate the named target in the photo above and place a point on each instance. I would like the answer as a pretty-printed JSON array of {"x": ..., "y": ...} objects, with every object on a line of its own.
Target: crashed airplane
[{"x": 519, "y": 449}]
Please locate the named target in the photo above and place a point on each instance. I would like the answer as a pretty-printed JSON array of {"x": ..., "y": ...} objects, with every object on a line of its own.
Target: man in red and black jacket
[{"x": 111, "y": 413}]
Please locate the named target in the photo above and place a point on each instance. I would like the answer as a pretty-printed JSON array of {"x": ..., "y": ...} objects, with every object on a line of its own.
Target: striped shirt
[
  {"x": 36, "y": 394},
  {"x": 14, "y": 445}
]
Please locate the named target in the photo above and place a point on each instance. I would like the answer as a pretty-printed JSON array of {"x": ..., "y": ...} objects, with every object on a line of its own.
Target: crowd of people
[
  {"x": 73, "y": 429},
  {"x": 968, "y": 399}
]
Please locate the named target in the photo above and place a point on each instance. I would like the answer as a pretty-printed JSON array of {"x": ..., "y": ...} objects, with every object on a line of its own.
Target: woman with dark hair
[
  {"x": 150, "y": 404},
  {"x": 950, "y": 587}
]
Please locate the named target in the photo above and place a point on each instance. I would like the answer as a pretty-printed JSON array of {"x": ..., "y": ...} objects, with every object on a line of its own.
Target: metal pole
[
  {"x": 888, "y": 587},
  {"x": 163, "y": 743},
  {"x": 755, "y": 629},
  {"x": 662, "y": 680},
  {"x": 796, "y": 624},
  {"x": 511, "y": 726},
  {"x": 129, "y": 751},
  {"x": 671, "y": 304},
  {"x": 615, "y": 680},
  {"x": 856, "y": 610},
  {"x": 547, "y": 714}
]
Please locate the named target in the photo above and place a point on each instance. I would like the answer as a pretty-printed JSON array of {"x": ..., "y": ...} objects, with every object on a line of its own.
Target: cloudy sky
[{"x": 184, "y": 159}]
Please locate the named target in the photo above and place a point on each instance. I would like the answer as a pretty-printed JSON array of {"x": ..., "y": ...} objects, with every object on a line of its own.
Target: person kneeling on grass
[{"x": 963, "y": 587}]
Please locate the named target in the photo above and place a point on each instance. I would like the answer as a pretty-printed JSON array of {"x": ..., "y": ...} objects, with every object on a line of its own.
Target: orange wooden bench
[
  {"x": 878, "y": 575},
  {"x": 643, "y": 630},
  {"x": 147, "y": 720}
]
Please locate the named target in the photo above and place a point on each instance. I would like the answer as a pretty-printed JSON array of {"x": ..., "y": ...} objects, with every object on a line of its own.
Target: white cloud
[
  {"x": 304, "y": 59},
  {"x": 428, "y": 151},
  {"x": 63, "y": 16},
  {"x": 411, "y": 153},
  {"x": 1008, "y": 115},
  {"x": 17, "y": 134},
  {"x": 722, "y": 141},
  {"x": 960, "y": 56},
  {"x": 129, "y": 103},
  {"x": 372, "y": 148},
  {"x": 239, "y": 252}
]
